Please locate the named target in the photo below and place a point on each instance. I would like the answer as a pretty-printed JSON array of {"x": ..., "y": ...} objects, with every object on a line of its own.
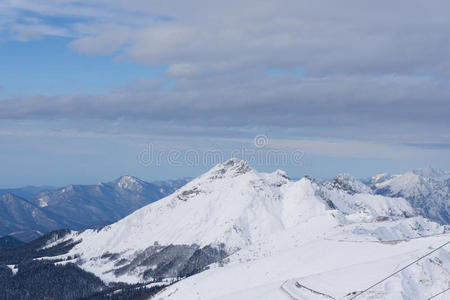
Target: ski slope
[{"x": 333, "y": 269}]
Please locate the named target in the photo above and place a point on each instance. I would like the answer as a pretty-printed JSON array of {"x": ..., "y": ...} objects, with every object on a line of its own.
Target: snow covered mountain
[
  {"x": 427, "y": 190},
  {"x": 234, "y": 233}
]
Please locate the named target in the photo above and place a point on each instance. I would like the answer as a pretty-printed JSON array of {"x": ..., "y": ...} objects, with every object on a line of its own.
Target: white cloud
[
  {"x": 26, "y": 32},
  {"x": 103, "y": 44},
  {"x": 328, "y": 37},
  {"x": 382, "y": 37}
]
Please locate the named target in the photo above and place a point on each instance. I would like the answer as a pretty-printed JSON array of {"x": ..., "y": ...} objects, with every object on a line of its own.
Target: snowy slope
[{"x": 327, "y": 266}]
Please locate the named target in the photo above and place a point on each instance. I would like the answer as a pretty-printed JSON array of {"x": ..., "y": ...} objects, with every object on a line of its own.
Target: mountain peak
[
  {"x": 232, "y": 167},
  {"x": 68, "y": 188},
  {"x": 128, "y": 182},
  {"x": 350, "y": 184},
  {"x": 282, "y": 174}
]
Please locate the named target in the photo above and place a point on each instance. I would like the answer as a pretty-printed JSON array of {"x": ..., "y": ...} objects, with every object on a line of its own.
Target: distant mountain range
[
  {"x": 427, "y": 190},
  {"x": 29, "y": 212}
]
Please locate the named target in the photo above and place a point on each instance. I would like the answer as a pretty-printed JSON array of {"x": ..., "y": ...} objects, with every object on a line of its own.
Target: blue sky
[
  {"x": 49, "y": 67},
  {"x": 86, "y": 86}
]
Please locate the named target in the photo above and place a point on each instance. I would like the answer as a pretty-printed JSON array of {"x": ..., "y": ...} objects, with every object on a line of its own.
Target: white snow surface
[
  {"x": 277, "y": 231},
  {"x": 328, "y": 266}
]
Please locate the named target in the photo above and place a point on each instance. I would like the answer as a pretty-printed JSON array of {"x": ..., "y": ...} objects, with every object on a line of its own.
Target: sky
[{"x": 92, "y": 90}]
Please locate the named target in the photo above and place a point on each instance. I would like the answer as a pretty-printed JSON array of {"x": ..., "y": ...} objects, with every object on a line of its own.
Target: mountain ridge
[{"x": 82, "y": 206}]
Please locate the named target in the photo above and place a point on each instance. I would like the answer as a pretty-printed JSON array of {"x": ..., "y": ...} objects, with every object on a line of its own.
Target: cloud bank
[{"x": 370, "y": 70}]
